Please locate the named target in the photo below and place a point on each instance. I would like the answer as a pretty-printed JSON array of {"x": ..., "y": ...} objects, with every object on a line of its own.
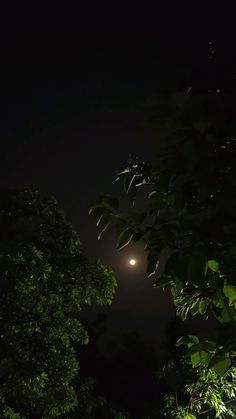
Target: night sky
[{"x": 72, "y": 108}]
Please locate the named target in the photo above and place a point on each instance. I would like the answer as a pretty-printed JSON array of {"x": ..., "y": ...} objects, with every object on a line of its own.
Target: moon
[{"x": 132, "y": 262}]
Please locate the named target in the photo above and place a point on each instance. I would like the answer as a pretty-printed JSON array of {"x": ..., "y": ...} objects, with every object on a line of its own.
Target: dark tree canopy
[
  {"x": 188, "y": 229},
  {"x": 44, "y": 283}
]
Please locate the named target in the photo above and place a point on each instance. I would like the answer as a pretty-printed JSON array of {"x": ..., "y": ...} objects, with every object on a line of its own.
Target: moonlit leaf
[{"x": 124, "y": 238}]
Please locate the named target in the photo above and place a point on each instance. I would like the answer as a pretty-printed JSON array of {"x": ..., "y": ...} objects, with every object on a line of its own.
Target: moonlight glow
[{"x": 132, "y": 262}]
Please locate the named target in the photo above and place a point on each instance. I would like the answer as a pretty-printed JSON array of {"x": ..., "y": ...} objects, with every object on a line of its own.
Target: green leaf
[
  {"x": 195, "y": 307},
  {"x": 124, "y": 238},
  {"x": 218, "y": 300},
  {"x": 227, "y": 315},
  {"x": 188, "y": 340},
  {"x": 203, "y": 306},
  {"x": 205, "y": 346},
  {"x": 205, "y": 357},
  {"x": 152, "y": 194},
  {"x": 201, "y": 353},
  {"x": 213, "y": 265},
  {"x": 195, "y": 359},
  {"x": 230, "y": 292},
  {"x": 222, "y": 366}
]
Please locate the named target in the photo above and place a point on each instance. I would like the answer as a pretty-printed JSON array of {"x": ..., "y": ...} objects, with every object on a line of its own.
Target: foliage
[
  {"x": 207, "y": 394},
  {"x": 175, "y": 371},
  {"x": 89, "y": 403},
  {"x": 44, "y": 281},
  {"x": 188, "y": 226}
]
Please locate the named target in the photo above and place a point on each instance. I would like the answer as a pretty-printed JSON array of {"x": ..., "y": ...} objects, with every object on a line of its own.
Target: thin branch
[{"x": 176, "y": 400}]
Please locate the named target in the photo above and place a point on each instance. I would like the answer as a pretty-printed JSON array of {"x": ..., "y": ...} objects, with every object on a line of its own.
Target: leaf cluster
[
  {"x": 44, "y": 282},
  {"x": 188, "y": 228}
]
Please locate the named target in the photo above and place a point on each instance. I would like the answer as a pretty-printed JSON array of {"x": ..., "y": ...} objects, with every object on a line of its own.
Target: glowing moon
[{"x": 132, "y": 262}]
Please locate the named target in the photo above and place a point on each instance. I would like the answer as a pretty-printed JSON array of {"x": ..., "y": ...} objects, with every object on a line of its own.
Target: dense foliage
[
  {"x": 188, "y": 229},
  {"x": 44, "y": 282}
]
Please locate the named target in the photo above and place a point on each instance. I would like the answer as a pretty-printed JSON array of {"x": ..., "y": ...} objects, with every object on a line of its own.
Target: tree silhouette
[{"x": 44, "y": 282}]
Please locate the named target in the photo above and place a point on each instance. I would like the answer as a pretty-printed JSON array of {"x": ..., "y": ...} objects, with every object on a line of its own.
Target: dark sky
[{"x": 72, "y": 109}]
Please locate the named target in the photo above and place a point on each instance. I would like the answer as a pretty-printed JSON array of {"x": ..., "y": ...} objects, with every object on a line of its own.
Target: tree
[
  {"x": 189, "y": 222},
  {"x": 44, "y": 283}
]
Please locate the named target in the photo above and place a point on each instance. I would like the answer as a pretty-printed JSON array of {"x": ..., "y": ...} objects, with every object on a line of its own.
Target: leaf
[
  {"x": 156, "y": 201},
  {"x": 103, "y": 224},
  {"x": 195, "y": 359},
  {"x": 201, "y": 353},
  {"x": 203, "y": 306},
  {"x": 164, "y": 257},
  {"x": 230, "y": 292},
  {"x": 152, "y": 194},
  {"x": 124, "y": 238},
  {"x": 152, "y": 261},
  {"x": 38, "y": 254},
  {"x": 205, "y": 357},
  {"x": 205, "y": 346},
  {"x": 218, "y": 300},
  {"x": 106, "y": 203},
  {"x": 222, "y": 366},
  {"x": 195, "y": 307},
  {"x": 129, "y": 179},
  {"x": 188, "y": 340},
  {"x": 213, "y": 265},
  {"x": 124, "y": 171},
  {"x": 227, "y": 315},
  {"x": 130, "y": 186},
  {"x": 97, "y": 213},
  {"x": 162, "y": 281},
  {"x": 121, "y": 223}
]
